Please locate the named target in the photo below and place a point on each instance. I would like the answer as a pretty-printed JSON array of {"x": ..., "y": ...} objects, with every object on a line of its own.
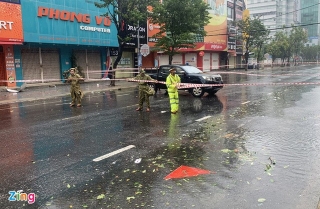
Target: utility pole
[
  {"x": 236, "y": 31},
  {"x": 139, "y": 54}
]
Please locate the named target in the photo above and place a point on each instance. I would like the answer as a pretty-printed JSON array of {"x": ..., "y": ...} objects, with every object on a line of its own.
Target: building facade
[
  {"x": 57, "y": 35},
  {"x": 310, "y": 19},
  {"x": 235, "y": 10},
  {"x": 210, "y": 52},
  {"x": 11, "y": 35},
  {"x": 275, "y": 14}
]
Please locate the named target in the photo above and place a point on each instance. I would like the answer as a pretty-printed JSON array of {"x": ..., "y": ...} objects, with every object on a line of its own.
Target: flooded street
[{"x": 259, "y": 140}]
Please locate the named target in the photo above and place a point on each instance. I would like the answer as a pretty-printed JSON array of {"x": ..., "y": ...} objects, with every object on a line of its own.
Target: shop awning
[{"x": 10, "y": 43}]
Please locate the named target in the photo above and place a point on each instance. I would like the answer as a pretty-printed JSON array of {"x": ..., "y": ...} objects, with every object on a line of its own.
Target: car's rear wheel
[{"x": 197, "y": 92}]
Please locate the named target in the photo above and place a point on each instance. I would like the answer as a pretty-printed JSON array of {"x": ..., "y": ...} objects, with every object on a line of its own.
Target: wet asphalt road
[{"x": 47, "y": 148}]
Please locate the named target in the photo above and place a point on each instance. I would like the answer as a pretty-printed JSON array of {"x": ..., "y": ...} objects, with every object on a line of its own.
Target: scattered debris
[
  {"x": 268, "y": 167},
  {"x": 185, "y": 171},
  {"x": 273, "y": 162},
  {"x": 137, "y": 160},
  {"x": 100, "y": 197},
  {"x": 23, "y": 86}
]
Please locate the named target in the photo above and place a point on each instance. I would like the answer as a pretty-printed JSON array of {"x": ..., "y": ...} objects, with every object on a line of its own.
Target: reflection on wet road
[{"x": 261, "y": 144}]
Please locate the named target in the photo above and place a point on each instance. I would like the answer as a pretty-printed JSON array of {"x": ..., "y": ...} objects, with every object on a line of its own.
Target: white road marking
[
  {"x": 62, "y": 104},
  {"x": 78, "y": 116},
  {"x": 245, "y": 102},
  {"x": 113, "y": 153},
  {"x": 203, "y": 118},
  {"x": 120, "y": 95}
]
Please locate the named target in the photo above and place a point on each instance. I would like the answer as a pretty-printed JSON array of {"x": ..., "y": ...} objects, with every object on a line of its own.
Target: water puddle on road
[{"x": 250, "y": 166}]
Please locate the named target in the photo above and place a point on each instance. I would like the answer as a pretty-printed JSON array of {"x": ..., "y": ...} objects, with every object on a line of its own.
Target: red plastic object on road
[{"x": 186, "y": 171}]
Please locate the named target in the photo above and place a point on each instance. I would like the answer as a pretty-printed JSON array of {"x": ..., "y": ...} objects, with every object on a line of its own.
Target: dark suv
[{"x": 192, "y": 75}]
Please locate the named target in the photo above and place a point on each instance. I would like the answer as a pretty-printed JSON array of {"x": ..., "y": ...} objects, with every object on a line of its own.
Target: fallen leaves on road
[{"x": 100, "y": 197}]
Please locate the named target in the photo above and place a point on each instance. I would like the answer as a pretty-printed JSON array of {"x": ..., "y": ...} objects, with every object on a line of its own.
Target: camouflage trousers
[
  {"x": 76, "y": 95},
  {"x": 143, "y": 96}
]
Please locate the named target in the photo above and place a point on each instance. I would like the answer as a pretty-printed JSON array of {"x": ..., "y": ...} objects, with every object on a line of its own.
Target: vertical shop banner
[
  {"x": 217, "y": 27},
  {"x": 10, "y": 69},
  {"x": 10, "y": 23},
  {"x": 153, "y": 29},
  {"x": 67, "y": 22}
]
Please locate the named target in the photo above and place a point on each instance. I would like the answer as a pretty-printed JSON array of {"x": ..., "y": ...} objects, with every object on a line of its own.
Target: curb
[{"x": 65, "y": 94}]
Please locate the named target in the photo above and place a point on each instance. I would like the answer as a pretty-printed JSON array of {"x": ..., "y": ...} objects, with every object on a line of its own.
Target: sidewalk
[{"x": 58, "y": 89}]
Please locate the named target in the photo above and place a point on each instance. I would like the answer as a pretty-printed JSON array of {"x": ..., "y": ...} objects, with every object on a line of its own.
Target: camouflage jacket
[
  {"x": 74, "y": 80},
  {"x": 141, "y": 77}
]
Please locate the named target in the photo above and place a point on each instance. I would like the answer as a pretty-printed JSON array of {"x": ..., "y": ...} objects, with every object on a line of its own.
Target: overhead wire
[
  {"x": 284, "y": 27},
  {"x": 276, "y": 17}
]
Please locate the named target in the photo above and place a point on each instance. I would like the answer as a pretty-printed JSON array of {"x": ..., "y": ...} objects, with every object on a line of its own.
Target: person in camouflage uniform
[
  {"x": 143, "y": 88},
  {"x": 75, "y": 90}
]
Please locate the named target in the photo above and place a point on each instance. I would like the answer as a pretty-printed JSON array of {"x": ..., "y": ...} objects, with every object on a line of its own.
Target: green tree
[
  {"x": 310, "y": 53},
  {"x": 253, "y": 34},
  {"x": 180, "y": 21},
  {"x": 298, "y": 37},
  {"x": 279, "y": 47},
  {"x": 125, "y": 12}
]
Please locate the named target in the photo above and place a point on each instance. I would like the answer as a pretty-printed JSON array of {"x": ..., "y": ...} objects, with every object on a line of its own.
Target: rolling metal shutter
[
  {"x": 30, "y": 62},
  {"x": 215, "y": 61},
  {"x": 80, "y": 56},
  {"x": 93, "y": 59},
  {"x": 206, "y": 62},
  {"x": 163, "y": 59},
  {"x": 51, "y": 65},
  {"x": 94, "y": 64},
  {"x": 31, "y": 69}
]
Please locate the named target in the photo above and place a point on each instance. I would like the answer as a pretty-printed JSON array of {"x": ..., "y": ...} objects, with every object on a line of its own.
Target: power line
[
  {"x": 292, "y": 12},
  {"x": 280, "y": 15},
  {"x": 285, "y": 27}
]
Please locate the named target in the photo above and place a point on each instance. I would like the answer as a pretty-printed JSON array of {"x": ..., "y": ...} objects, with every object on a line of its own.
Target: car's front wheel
[{"x": 197, "y": 92}]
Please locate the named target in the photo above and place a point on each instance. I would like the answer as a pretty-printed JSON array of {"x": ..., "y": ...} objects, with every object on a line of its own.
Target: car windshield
[{"x": 191, "y": 69}]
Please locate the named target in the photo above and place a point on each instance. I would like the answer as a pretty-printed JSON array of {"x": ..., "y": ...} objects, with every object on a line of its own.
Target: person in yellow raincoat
[
  {"x": 172, "y": 83},
  {"x": 75, "y": 90}
]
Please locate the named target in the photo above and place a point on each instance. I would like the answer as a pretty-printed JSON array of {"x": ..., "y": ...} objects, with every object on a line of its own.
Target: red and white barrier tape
[
  {"x": 191, "y": 85},
  {"x": 180, "y": 85}
]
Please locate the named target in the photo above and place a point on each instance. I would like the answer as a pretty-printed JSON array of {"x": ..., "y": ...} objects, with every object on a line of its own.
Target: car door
[
  {"x": 162, "y": 75},
  {"x": 182, "y": 74}
]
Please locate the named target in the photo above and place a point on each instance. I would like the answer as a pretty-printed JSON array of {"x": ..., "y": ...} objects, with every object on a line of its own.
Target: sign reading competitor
[
  {"x": 67, "y": 22},
  {"x": 10, "y": 23}
]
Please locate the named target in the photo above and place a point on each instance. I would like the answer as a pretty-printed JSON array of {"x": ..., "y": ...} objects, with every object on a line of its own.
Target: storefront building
[
  {"x": 62, "y": 34},
  {"x": 11, "y": 34},
  {"x": 209, "y": 53}
]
